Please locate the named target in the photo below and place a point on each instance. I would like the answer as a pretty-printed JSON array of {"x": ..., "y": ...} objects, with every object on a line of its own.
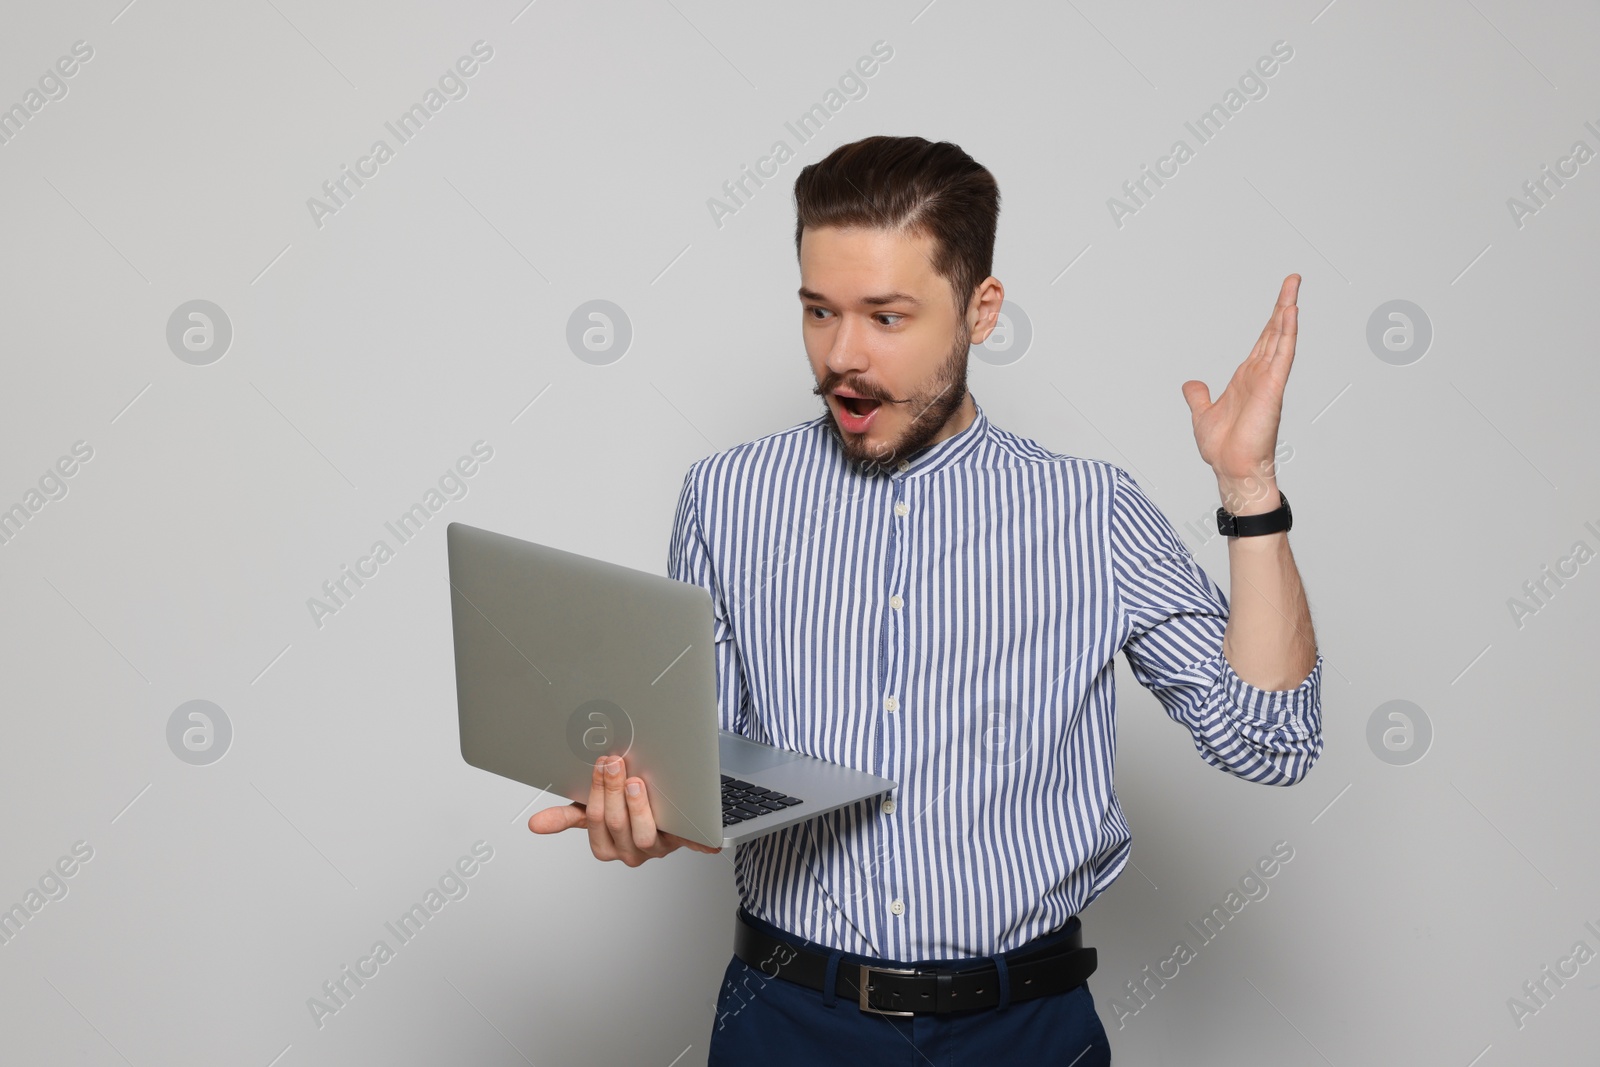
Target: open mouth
[
  {"x": 860, "y": 406},
  {"x": 856, "y": 413}
]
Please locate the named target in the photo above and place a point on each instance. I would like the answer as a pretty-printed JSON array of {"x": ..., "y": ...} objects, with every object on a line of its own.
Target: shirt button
[
  {"x": 888, "y": 805},
  {"x": 905, "y": 464},
  {"x": 896, "y": 603},
  {"x": 901, "y": 508},
  {"x": 891, "y": 704},
  {"x": 898, "y": 907}
]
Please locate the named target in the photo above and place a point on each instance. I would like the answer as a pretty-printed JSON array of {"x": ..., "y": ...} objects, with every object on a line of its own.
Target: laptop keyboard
[{"x": 742, "y": 801}]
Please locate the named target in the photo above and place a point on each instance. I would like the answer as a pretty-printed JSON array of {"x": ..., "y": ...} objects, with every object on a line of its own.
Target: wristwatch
[{"x": 1255, "y": 525}]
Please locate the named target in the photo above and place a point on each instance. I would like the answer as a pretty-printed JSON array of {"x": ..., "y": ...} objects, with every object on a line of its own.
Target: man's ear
[{"x": 983, "y": 311}]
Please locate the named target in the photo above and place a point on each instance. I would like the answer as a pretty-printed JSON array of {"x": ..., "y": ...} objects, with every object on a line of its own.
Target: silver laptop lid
[{"x": 561, "y": 659}]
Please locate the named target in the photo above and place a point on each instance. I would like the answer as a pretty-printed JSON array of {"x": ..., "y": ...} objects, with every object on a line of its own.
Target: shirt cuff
[{"x": 1293, "y": 712}]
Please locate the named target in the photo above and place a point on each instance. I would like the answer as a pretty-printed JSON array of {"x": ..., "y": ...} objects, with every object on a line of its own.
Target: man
[{"x": 903, "y": 587}]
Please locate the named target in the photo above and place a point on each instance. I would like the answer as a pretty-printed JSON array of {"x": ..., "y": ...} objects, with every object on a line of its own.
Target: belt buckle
[{"x": 862, "y": 983}]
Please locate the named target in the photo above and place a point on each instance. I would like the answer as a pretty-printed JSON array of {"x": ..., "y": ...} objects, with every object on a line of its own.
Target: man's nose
[{"x": 848, "y": 352}]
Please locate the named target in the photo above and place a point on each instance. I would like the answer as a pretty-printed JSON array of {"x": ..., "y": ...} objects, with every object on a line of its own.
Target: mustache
[{"x": 833, "y": 381}]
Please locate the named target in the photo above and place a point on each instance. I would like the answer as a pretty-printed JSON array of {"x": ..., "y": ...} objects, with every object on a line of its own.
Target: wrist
[{"x": 1250, "y": 495}]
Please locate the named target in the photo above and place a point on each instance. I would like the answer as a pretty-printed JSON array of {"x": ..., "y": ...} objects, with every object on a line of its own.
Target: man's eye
[
  {"x": 820, "y": 311},
  {"x": 890, "y": 315}
]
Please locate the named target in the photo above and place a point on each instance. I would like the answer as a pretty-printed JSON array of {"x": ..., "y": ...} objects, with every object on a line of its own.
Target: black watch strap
[{"x": 1255, "y": 525}]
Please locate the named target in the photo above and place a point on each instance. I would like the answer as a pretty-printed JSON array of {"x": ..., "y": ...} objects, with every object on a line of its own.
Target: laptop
[{"x": 561, "y": 659}]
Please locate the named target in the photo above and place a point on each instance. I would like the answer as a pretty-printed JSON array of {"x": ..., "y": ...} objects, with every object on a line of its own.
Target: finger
[
  {"x": 599, "y": 838},
  {"x": 1290, "y": 330},
  {"x": 1198, "y": 396},
  {"x": 1287, "y": 291},
  {"x": 1283, "y": 351},
  {"x": 1264, "y": 339},
  {"x": 554, "y": 820},
  {"x": 616, "y": 816},
  {"x": 684, "y": 842},
  {"x": 641, "y": 820}
]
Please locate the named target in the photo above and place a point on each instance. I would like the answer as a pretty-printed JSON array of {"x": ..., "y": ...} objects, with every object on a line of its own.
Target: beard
[{"x": 931, "y": 407}]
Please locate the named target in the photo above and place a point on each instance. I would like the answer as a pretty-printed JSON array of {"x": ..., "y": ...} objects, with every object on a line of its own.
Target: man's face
[{"x": 881, "y": 326}]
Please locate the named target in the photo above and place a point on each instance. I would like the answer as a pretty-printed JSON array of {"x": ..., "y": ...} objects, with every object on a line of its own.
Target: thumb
[
  {"x": 1198, "y": 395},
  {"x": 562, "y": 817}
]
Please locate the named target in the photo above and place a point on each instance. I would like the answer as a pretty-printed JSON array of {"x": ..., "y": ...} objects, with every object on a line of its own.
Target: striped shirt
[{"x": 952, "y": 625}]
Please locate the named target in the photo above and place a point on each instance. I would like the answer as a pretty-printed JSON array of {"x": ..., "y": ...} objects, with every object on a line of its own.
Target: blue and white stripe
[{"x": 952, "y": 625}]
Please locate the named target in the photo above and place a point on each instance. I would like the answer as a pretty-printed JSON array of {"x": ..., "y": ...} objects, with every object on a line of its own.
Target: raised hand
[{"x": 1238, "y": 432}]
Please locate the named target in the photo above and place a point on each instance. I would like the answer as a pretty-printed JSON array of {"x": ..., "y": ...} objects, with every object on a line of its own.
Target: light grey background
[{"x": 431, "y": 312}]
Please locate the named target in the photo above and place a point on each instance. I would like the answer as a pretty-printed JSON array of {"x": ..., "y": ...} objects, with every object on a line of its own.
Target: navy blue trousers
[{"x": 772, "y": 1022}]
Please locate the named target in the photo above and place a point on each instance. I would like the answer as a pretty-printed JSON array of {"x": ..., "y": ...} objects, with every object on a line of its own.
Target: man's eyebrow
[{"x": 872, "y": 301}]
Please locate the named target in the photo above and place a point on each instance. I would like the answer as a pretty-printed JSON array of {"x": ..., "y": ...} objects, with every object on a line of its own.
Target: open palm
[{"x": 1238, "y": 432}]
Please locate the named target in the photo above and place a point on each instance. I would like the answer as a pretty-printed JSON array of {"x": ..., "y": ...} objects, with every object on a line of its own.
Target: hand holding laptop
[
  {"x": 567, "y": 664},
  {"x": 621, "y": 825}
]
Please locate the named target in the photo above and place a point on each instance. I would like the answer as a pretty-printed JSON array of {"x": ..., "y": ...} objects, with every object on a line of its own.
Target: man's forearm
[{"x": 1269, "y": 641}]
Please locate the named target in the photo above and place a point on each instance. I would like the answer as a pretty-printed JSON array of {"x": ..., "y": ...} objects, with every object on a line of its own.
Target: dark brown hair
[{"x": 912, "y": 185}]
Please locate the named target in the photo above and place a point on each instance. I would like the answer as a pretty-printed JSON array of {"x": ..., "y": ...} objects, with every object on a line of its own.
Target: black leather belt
[{"x": 886, "y": 990}]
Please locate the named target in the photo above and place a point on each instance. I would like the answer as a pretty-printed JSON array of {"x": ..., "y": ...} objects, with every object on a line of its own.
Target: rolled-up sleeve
[
  {"x": 1174, "y": 616},
  {"x": 689, "y": 560}
]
